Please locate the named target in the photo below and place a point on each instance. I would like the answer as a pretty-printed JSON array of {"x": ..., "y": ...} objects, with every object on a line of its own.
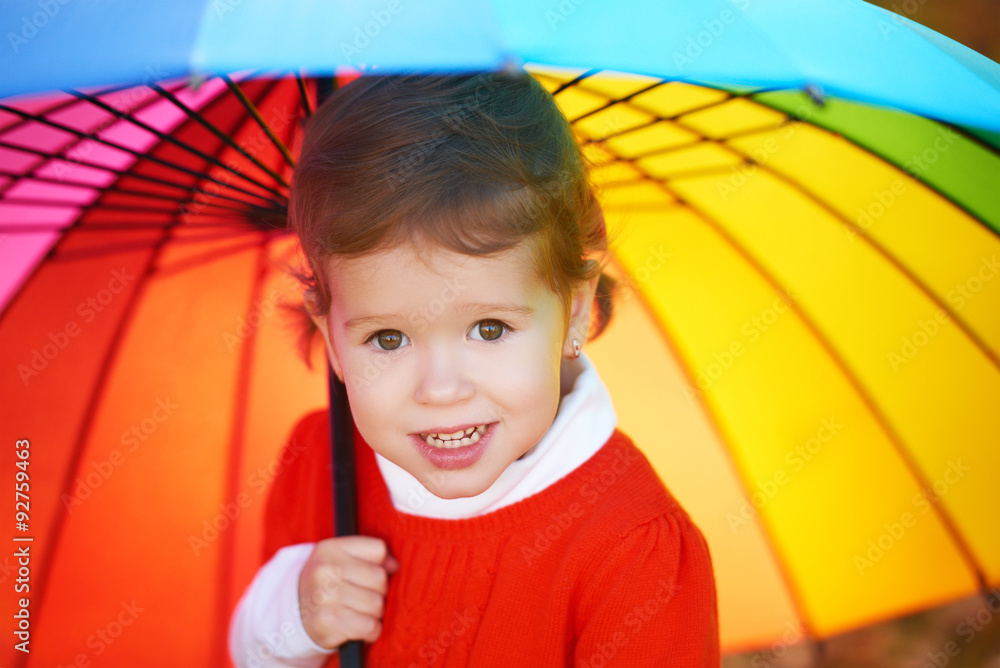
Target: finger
[
  {"x": 365, "y": 574},
  {"x": 362, "y": 601},
  {"x": 364, "y": 547},
  {"x": 391, "y": 564},
  {"x": 329, "y": 576},
  {"x": 336, "y": 615},
  {"x": 332, "y": 628},
  {"x": 356, "y": 626},
  {"x": 334, "y": 560}
]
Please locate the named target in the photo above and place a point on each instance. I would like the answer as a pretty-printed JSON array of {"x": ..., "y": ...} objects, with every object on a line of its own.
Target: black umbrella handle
[{"x": 345, "y": 505}]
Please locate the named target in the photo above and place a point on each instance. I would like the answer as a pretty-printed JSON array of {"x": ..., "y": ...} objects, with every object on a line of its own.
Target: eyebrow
[{"x": 364, "y": 321}]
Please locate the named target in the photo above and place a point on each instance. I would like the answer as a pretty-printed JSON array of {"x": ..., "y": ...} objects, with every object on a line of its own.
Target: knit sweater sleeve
[{"x": 652, "y": 600}]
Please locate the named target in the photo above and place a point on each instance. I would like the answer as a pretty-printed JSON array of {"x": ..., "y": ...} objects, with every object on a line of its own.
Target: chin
[{"x": 459, "y": 489}]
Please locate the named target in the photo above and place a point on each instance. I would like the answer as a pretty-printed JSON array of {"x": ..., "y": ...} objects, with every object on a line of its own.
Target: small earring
[{"x": 576, "y": 348}]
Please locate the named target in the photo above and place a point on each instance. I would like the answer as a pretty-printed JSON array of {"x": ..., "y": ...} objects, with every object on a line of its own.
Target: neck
[{"x": 569, "y": 371}]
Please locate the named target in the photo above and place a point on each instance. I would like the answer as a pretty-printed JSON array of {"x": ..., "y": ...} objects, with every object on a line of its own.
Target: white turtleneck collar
[{"x": 584, "y": 421}]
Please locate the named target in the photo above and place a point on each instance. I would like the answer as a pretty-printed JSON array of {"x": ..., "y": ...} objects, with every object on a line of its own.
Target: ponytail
[{"x": 603, "y": 305}]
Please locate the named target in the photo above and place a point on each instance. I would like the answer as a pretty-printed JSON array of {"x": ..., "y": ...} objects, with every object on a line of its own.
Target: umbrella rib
[
  {"x": 964, "y": 326},
  {"x": 105, "y": 249},
  {"x": 714, "y": 424},
  {"x": 665, "y": 151},
  {"x": 23, "y": 122},
  {"x": 657, "y": 118},
  {"x": 946, "y": 519},
  {"x": 306, "y": 105},
  {"x": 56, "y": 108},
  {"x": 76, "y": 455},
  {"x": 15, "y": 227},
  {"x": 244, "y": 219},
  {"x": 252, "y": 110},
  {"x": 97, "y": 205},
  {"x": 686, "y": 174},
  {"x": 572, "y": 82},
  {"x": 120, "y": 173},
  {"x": 966, "y": 329},
  {"x": 876, "y": 412},
  {"x": 243, "y": 223},
  {"x": 61, "y": 105},
  {"x": 133, "y": 152},
  {"x": 196, "y": 116},
  {"x": 893, "y": 437},
  {"x": 702, "y": 139},
  {"x": 129, "y": 118},
  {"x": 730, "y": 96},
  {"x": 208, "y": 256},
  {"x": 101, "y": 382},
  {"x": 121, "y": 191},
  {"x": 917, "y": 175},
  {"x": 977, "y": 341},
  {"x": 621, "y": 100},
  {"x": 234, "y": 460}
]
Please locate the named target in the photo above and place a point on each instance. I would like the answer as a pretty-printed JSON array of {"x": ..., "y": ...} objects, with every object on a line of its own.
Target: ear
[
  {"x": 581, "y": 302},
  {"x": 322, "y": 322}
]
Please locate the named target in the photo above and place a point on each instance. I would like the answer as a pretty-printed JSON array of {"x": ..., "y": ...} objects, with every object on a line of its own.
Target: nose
[{"x": 442, "y": 377}]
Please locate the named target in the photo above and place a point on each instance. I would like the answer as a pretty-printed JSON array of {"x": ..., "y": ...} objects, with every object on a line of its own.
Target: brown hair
[{"x": 475, "y": 163}]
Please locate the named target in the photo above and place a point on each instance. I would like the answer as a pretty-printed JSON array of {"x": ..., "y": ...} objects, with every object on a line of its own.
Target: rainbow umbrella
[{"x": 802, "y": 204}]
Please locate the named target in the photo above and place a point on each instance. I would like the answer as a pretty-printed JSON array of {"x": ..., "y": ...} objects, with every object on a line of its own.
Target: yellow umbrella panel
[{"x": 807, "y": 344}]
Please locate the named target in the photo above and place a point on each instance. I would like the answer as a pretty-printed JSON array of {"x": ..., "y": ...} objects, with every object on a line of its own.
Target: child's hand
[{"x": 342, "y": 589}]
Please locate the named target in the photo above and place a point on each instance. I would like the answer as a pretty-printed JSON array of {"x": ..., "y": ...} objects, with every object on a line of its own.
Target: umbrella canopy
[
  {"x": 147, "y": 362},
  {"x": 812, "y": 297}
]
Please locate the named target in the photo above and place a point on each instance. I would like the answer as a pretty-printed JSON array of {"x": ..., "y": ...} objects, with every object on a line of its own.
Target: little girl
[{"x": 456, "y": 250}]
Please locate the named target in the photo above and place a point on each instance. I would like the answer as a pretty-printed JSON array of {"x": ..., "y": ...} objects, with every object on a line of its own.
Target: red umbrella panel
[{"x": 149, "y": 366}]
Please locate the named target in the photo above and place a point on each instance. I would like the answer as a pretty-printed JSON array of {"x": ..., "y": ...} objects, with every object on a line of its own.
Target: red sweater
[{"x": 603, "y": 568}]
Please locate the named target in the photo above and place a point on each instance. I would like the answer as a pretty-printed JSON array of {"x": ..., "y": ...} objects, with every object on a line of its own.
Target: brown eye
[
  {"x": 389, "y": 339},
  {"x": 490, "y": 330}
]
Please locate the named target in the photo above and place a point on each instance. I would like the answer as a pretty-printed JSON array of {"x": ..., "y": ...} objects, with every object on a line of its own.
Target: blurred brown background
[
  {"x": 974, "y": 23},
  {"x": 965, "y": 634}
]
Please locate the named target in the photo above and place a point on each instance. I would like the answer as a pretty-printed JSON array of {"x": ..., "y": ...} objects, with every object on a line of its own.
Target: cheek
[
  {"x": 372, "y": 379},
  {"x": 533, "y": 378},
  {"x": 373, "y": 403},
  {"x": 363, "y": 370}
]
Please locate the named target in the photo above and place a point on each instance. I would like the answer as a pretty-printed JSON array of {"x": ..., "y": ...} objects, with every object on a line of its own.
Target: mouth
[
  {"x": 452, "y": 448},
  {"x": 455, "y": 439}
]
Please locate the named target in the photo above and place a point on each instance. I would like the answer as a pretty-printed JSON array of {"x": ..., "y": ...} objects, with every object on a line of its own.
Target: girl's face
[{"x": 451, "y": 362}]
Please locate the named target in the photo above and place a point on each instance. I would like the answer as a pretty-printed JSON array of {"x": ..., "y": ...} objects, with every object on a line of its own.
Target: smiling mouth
[{"x": 456, "y": 440}]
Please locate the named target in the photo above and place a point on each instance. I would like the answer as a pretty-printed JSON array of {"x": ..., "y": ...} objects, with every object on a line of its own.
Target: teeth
[{"x": 456, "y": 440}]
